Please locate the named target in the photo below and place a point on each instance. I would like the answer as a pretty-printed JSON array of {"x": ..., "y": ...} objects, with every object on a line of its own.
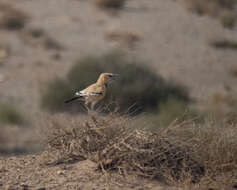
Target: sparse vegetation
[
  {"x": 212, "y": 7},
  {"x": 233, "y": 71},
  {"x": 222, "y": 9},
  {"x": 12, "y": 19},
  {"x": 228, "y": 19},
  {"x": 4, "y": 52},
  {"x": 168, "y": 112},
  {"x": 38, "y": 37},
  {"x": 138, "y": 86},
  {"x": 224, "y": 44},
  {"x": 182, "y": 154},
  {"x": 9, "y": 114},
  {"x": 123, "y": 37},
  {"x": 37, "y": 32},
  {"x": 52, "y": 44},
  {"x": 222, "y": 106},
  {"x": 110, "y": 4}
]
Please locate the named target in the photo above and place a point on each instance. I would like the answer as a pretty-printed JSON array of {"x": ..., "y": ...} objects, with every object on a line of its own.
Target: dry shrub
[
  {"x": 182, "y": 153},
  {"x": 114, "y": 143},
  {"x": 84, "y": 139},
  {"x": 124, "y": 37},
  {"x": 110, "y": 4},
  {"x": 12, "y": 18},
  {"x": 215, "y": 145}
]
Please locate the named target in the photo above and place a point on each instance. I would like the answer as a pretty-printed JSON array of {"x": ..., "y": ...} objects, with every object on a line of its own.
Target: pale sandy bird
[{"x": 95, "y": 92}]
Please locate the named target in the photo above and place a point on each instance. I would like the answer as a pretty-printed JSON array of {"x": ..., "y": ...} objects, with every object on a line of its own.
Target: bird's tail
[{"x": 72, "y": 99}]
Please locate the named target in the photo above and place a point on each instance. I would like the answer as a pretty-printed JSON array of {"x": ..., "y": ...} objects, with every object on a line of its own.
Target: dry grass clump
[
  {"x": 37, "y": 37},
  {"x": 211, "y": 7},
  {"x": 12, "y": 18},
  {"x": 222, "y": 9},
  {"x": 115, "y": 144},
  {"x": 110, "y": 4},
  {"x": 222, "y": 106},
  {"x": 125, "y": 38}
]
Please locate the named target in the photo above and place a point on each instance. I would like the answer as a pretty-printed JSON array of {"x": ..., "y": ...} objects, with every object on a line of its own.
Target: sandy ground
[{"x": 30, "y": 172}]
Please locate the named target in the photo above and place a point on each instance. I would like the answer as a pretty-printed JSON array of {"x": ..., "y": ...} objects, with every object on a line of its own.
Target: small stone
[{"x": 60, "y": 172}]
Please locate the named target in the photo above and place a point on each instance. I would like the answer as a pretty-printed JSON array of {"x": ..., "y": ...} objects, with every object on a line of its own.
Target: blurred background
[{"x": 177, "y": 59}]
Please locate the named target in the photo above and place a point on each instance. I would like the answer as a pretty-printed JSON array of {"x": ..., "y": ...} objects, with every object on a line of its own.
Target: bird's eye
[{"x": 110, "y": 76}]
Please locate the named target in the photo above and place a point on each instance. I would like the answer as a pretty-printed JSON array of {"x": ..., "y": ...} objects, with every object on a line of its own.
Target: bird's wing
[{"x": 92, "y": 90}]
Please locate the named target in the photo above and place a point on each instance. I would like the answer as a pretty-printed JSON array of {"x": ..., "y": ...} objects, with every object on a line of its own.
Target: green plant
[
  {"x": 138, "y": 85},
  {"x": 9, "y": 114}
]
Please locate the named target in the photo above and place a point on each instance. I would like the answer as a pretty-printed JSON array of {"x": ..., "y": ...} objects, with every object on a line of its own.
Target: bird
[{"x": 95, "y": 92}]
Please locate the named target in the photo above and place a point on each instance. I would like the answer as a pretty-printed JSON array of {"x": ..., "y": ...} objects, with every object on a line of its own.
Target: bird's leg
[
  {"x": 87, "y": 107},
  {"x": 93, "y": 110},
  {"x": 93, "y": 106}
]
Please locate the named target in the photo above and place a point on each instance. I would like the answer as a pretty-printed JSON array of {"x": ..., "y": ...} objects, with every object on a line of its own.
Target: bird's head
[{"x": 107, "y": 78}]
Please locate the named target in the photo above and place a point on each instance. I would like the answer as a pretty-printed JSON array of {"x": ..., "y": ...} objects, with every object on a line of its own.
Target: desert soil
[
  {"x": 175, "y": 42},
  {"x": 31, "y": 172}
]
